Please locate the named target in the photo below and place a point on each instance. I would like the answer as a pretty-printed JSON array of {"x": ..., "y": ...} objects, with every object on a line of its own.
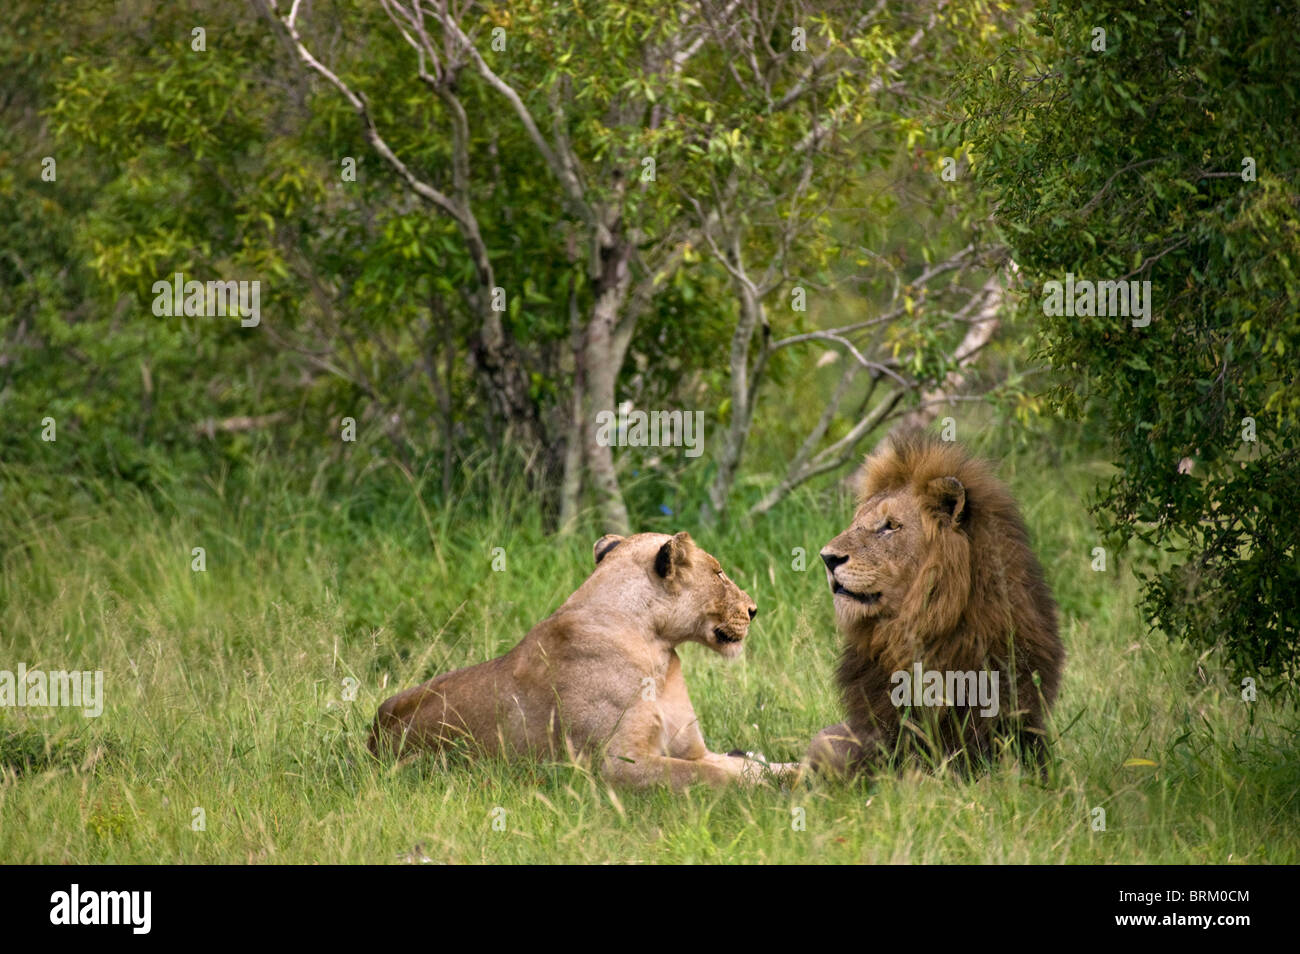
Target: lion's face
[
  {"x": 871, "y": 565},
  {"x": 691, "y": 596}
]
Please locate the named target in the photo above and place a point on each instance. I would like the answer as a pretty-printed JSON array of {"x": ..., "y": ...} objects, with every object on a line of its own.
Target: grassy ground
[{"x": 224, "y": 691}]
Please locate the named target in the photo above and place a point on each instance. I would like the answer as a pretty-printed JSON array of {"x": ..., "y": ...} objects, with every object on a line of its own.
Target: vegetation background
[{"x": 857, "y": 177}]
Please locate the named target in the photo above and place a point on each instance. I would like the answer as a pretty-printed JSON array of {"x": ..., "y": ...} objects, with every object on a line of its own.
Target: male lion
[
  {"x": 599, "y": 676},
  {"x": 936, "y": 570}
]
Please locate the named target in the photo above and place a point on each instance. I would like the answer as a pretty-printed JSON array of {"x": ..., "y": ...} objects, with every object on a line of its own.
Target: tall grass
[{"x": 225, "y": 692}]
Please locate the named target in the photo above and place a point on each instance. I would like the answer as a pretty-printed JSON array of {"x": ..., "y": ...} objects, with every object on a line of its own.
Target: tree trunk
[
  {"x": 571, "y": 478},
  {"x": 744, "y": 388},
  {"x": 602, "y": 360},
  {"x": 500, "y": 368}
]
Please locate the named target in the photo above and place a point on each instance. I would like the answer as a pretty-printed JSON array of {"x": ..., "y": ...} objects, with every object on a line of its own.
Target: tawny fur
[
  {"x": 936, "y": 568},
  {"x": 600, "y": 678}
]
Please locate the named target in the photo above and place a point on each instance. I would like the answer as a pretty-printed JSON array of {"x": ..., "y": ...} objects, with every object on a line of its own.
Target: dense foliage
[{"x": 1158, "y": 143}]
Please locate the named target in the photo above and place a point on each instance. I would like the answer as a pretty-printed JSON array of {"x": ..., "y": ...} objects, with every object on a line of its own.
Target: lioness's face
[
  {"x": 697, "y": 601},
  {"x": 871, "y": 565},
  {"x": 726, "y": 609}
]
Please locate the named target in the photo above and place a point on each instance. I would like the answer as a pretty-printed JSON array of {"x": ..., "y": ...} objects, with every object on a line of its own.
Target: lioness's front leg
[
  {"x": 635, "y": 757},
  {"x": 754, "y": 767},
  {"x": 649, "y": 769},
  {"x": 712, "y": 769},
  {"x": 686, "y": 741}
]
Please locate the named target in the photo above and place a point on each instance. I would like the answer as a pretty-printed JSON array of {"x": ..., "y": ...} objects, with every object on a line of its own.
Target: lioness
[
  {"x": 599, "y": 676},
  {"x": 950, "y": 634}
]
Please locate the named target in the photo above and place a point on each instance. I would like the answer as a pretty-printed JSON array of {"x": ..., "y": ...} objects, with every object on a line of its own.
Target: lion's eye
[{"x": 887, "y": 527}]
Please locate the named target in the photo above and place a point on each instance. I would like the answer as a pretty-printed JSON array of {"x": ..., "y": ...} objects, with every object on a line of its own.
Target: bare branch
[
  {"x": 560, "y": 163},
  {"x": 978, "y": 335},
  {"x": 832, "y": 457},
  {"x": 377, "y": 142},
  {"x": 802, "y": 84}
]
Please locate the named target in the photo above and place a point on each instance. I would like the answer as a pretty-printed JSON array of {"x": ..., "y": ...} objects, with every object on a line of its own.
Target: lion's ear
[
  {"x": 947, "y": 498},
  {"x": 605, "y": 544},
  {"x": 673, "y": 555}
]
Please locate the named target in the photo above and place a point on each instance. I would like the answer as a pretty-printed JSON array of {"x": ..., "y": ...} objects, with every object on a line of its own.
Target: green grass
[{"x": 224, "y": 691}]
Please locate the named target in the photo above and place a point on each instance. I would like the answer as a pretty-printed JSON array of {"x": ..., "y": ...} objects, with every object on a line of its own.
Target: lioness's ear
[
  {"x": 947, "y": 498},
  {"x": 673, "y": 555},
  {"x": 606, "y": 543}
]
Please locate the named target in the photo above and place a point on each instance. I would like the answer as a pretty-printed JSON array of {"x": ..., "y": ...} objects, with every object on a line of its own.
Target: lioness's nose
[
  {"x": 753, "y": 611},
  {"x": 832, "y": 560}
]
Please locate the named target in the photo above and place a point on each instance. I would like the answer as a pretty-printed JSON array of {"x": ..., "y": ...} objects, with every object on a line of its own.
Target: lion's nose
[
  {"x": 753, "y": 611},
  {"x": 832, "y": 560}
]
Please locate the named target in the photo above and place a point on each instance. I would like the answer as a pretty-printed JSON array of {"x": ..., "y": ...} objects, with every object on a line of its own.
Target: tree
[
  {"x": 657, "y": 145},
  {"x": 597, "y": 134}
]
